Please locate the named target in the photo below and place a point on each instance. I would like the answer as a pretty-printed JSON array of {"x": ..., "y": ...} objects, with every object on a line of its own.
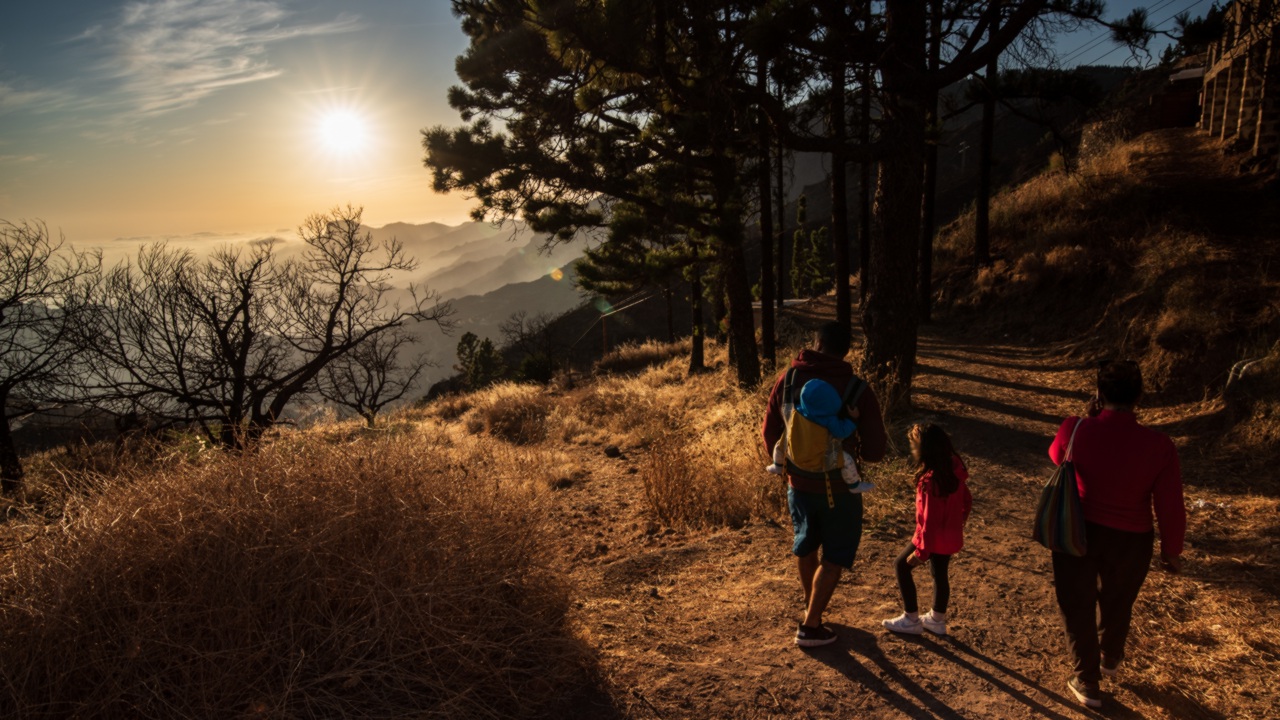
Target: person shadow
[{"x": 860, "y": 658}]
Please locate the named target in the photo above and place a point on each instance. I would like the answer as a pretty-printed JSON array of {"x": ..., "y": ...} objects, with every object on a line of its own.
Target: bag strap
[
  {"x": 788, "y": 387},
  {"x": 854, "y": 391},
  {"x": 1071, "y": 444}
]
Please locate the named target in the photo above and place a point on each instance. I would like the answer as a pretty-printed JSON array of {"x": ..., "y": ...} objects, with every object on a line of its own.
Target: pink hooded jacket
[{"x": 940, "y": 520}]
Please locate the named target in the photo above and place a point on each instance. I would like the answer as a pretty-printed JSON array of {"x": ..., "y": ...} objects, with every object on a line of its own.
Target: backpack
[{"x": 812, "y": 452}]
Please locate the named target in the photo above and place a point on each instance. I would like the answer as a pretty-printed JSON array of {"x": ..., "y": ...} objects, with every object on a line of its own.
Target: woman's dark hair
[
  {"x": 1120, "y": 381},
  {"x": 937, "y": 456}
]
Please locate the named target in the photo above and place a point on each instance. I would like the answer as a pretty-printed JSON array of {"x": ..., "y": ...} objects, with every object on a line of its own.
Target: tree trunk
[
  {"x": 11, "y": 471},
  {"x": 864, "y": 181},
  {"x": 737, "y": 289},
  {"x": 929, "y": 210},
  {"x": 891, "y": 314},
  {"x": 982, "y": 206},
  {"x": 781, "y": 195},
  {"x": 840, "y": 202},
  {"x": 669, "y": 297},
  {"x": 697, "y": 355},
  {"x": 719, "y": 309},
  {"x": 766, "y": 235}
]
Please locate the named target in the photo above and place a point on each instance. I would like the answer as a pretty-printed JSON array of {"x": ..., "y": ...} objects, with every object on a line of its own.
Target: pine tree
[{"x": 478, "y": 362}]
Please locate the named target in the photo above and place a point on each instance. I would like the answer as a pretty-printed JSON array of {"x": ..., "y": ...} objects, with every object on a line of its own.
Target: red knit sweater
[{"x": 1123, "y": 469}]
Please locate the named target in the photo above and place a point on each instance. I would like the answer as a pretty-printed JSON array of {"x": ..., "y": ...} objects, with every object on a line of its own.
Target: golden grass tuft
[
  {"x": 312, "y": 578},
  {"x": 637, "y": 356},
  {"x": 512, "y": 412}
]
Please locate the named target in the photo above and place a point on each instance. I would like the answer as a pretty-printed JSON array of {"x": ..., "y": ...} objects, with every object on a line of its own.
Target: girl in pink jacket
[{"x": 943, "y": 503}]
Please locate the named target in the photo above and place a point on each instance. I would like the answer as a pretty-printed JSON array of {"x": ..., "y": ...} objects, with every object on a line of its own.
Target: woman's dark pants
[
  {"x": 1096, "y": 593},
  {"x": 907, "y": 585}
]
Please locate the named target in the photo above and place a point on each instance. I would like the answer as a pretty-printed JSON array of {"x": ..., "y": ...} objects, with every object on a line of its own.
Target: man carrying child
[{"x": 826, "y": 516}]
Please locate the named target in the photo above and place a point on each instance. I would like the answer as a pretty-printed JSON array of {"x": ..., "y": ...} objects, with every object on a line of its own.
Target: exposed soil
[{"x": 701, "y": 625}]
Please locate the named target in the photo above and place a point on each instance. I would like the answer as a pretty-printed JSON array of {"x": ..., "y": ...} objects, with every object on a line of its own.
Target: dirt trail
[{"x": 700, "y": 625}]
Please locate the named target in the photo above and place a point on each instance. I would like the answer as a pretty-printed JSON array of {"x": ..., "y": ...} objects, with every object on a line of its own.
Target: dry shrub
[
  {"x": 1067, "y": 260},
  {"x": 702, "y": 440},
  {"x": 634, "y": 357},
  {"x": 513, "y": 412},
  {"x": 686, "y": 491},
  {"x": 450, "y": 407},
  {"x": 59, "y": 477},
  {"x": 306, "y": 580}
]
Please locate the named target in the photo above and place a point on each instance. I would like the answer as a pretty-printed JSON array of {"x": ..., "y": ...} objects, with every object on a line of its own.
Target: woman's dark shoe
[
  {"x": 807, "y": 637},
  {"x": 1110, "y": 667},
  {"x": 1088, "y": 695}
]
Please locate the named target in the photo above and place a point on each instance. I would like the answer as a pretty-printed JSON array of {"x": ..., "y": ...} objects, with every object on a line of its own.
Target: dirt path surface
[{"x": 700, "y": 625}]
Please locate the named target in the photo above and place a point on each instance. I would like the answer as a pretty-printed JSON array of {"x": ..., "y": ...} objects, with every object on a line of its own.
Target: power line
[
  {"x": 1154, "y": 27},
  {"x": 1090, "y": 44}
]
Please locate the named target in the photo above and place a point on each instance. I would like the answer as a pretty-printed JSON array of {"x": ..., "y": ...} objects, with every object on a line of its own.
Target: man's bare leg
[
  {"x": 824, "y": 584},
  {"x": 808, "y": 565}
]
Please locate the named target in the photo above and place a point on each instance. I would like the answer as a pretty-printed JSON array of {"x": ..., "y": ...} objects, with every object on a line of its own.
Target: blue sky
[{"x": 176, "y": 117}]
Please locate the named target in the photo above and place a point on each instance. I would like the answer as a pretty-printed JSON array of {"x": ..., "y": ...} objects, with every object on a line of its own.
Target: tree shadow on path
[
  {"x": 843, "y": 657},
  {"x": 1003, "y": 677},
  {"x": 883, "y": 677}
]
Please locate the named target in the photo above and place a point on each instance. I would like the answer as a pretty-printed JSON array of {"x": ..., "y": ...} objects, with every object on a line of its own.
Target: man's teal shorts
[{"x": 838, "y": 530}]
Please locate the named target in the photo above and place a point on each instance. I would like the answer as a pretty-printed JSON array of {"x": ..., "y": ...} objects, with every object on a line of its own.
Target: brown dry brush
[{"x": 365, "y": 580}]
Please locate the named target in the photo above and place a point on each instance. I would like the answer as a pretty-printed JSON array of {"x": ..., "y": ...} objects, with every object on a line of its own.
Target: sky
[
  {"x": 177, "y": 117},
  {"x": 221, "y": 118}
]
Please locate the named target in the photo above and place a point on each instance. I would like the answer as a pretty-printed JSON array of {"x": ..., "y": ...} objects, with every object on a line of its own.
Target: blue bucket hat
[{"x": 820, "y": 403}]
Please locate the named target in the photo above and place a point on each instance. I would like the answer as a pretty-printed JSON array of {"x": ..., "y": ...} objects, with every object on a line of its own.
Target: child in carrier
[
  {"x": 821, "y": 404},
  {"x": 943, "y": 503}
]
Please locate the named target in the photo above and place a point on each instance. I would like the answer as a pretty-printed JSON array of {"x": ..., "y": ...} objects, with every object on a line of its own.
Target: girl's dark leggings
[{"x": 907, "y": 584}]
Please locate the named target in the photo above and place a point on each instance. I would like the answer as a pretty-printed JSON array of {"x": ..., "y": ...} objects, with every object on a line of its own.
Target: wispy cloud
[
  {"x": 170, "y": 54},
  {"x": 31, "y": 100},
  {"x": 20, "y": 159}
]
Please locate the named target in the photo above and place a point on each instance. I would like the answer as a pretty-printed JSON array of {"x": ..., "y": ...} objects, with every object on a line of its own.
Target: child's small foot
[
  {"x": 775, "y": 469},
  {"x": 862, "y": 487},
  {"x": 904, "y": 624},
  {"x": 934, "y": 622}
]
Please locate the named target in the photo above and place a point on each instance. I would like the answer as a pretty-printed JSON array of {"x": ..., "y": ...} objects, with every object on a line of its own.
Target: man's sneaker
[
  {"x": 1110, "y": 667},
  {"x": 933, "y": 623},
  {"x": 1088, "y": 695},
  {"x": 904, "y": 624},
  {"x": 807, "y": 637},
  {"x": 862, "y": 487}
]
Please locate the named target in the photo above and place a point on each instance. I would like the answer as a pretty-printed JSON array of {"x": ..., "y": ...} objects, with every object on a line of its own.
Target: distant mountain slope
[
  {"x": 473, "y": 258},
  {"x": 483, "y": 314},
  {"x": 517, "y": 265}
]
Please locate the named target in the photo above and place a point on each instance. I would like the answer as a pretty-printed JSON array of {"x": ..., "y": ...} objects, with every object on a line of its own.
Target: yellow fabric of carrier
[{"x": 810, "y": 446}]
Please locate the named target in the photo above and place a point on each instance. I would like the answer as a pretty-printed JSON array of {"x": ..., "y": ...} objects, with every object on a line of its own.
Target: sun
[{"x": 343, "y": 132}]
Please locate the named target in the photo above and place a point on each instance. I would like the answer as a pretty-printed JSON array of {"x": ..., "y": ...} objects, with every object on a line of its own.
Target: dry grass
[
  {"x": 636, "y": 356},
  {"x": 699, "y": 434},
  {"x": 386, "y": 577},
  {"x": 1157, "y": 250},
  {"x": 513, "y": 412}
]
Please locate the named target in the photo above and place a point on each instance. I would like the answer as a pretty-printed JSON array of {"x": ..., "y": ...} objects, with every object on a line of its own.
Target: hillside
[
  {"x": 612, "y": 548},
  {"x": 1158, "y": 249},
  {"x": 552, "y": 294}
]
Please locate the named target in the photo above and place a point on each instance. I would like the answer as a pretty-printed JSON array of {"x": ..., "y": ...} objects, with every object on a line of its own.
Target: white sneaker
[
  {"x": 862, "y": 487},
  {"x": 933, "y": 623},
  {"x": 904, "y": 624}
]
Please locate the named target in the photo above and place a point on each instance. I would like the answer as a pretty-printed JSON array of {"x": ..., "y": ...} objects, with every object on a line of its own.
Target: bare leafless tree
[
  {"x": 42, "y": 300},
  {"x": 373, "y": 376},
  {"x": 226, "y": 343}
]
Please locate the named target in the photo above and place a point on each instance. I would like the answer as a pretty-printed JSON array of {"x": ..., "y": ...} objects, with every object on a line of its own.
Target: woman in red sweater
[
  {"x": 943, "y": 503},
  {"x": 1123, "y": 470}
]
